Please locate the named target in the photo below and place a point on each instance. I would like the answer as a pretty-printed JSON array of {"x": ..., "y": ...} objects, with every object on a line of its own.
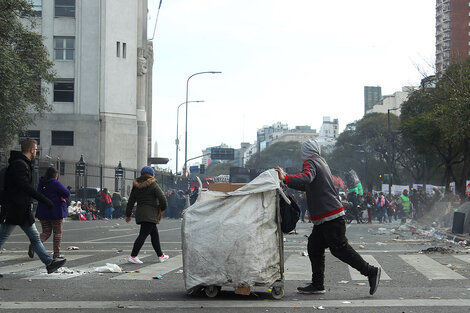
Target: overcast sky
[{"x": 288, "y": 61}]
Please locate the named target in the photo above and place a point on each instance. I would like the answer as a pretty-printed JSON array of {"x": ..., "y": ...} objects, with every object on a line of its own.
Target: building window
[
  {"x": 33, "y": 134},
  {"x": 124, "y": 50},
  {"x": 65, "y": 8},
  {"x": 37, "y": 7},
  {"x": 62, "y": 138},
  {"x": 64, "y": 90},
  {"x": 64, "y": 48},
  {"x": 118, "y": 49}
]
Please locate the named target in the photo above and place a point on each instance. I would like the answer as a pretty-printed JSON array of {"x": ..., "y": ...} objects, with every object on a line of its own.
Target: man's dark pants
[{"x": 332, "y": 234}]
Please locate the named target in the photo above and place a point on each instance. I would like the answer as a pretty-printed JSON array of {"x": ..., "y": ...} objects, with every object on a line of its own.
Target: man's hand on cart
[{"x": 280, "y": 173}]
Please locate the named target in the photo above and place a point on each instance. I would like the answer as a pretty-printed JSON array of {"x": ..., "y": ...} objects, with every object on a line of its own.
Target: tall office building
[
  {"x": 372, "y": 95},
  {"x": 102, "y": 95},
  {"x": 452, "y": 32}
]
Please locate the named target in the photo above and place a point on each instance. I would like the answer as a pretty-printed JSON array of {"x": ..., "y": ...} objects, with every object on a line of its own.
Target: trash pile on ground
[
  {"x": 441, "y": 250},
  {"x": 432, "y": 233}
]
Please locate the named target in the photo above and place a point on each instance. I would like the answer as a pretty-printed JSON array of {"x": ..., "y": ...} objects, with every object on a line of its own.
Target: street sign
[
  {"x": 222, "y": 154},
  {"x": 194, "y": 169}
]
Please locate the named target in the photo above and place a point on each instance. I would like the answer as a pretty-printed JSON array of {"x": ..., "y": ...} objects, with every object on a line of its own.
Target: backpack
[{"x": 290, "y": 214}]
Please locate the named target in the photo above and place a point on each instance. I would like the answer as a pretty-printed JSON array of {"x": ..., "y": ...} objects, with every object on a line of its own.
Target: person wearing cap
[
  {"x": 151, "y": 202},
  {"x": 327, "y": 214}
]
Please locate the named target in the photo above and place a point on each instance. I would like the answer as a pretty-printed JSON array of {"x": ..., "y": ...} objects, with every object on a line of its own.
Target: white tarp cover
[{"x": 232, "y": 239}]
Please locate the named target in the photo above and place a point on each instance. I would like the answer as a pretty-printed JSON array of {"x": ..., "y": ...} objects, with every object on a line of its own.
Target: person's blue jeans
[
  {"x": 33, "y": 235},
  {"x": 109, "y": 212}
]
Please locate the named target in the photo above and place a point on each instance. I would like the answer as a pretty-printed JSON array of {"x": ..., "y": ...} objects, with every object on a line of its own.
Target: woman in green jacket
[{"x": 150, "y": 203}]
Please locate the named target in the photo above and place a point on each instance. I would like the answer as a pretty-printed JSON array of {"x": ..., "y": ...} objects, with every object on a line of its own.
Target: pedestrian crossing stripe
[
  {"x": 4, "y": 258},
  {"x": 465, "y": 258},
  {"x": 29, "y": 265},
  {"x": 81, "y": 270},
  {"x": 147, "y": 272},
  {"x": 356, "y": 275},
  {"x": 430, "y": 268},
  {"x": 297, "y": 267}
]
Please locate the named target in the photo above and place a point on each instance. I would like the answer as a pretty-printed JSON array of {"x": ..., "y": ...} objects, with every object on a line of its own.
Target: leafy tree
[
  {"x": 218, "y": 168},
  {"x": 437, "y": 116},
  {"x": 285, "y": 154},
  {"x": 24, "y": 67}
]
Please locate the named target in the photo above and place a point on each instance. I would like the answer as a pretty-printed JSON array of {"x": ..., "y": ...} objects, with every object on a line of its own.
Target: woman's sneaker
[
  {"x": 163, "y": 258},
  {"x": 134, "y": 259},
  {"x": 311, "y": 289},
  {"x": 57, "y": 256}
]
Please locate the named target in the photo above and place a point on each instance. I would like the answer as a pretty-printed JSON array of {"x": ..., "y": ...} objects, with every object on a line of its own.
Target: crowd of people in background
[
  {"x": 112, "y": 206},
  {"x": 380, "y": 207}
]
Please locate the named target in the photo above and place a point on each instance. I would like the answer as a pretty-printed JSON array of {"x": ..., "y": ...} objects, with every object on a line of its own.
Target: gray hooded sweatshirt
[{"x": 316, "y": 180}]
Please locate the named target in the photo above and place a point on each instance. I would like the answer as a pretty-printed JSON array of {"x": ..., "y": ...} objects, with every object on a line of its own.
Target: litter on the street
[
  {"x": 73, "y": 248},
  {"x": 158, "y": 277},
  {"x": 109, "y": 268}
]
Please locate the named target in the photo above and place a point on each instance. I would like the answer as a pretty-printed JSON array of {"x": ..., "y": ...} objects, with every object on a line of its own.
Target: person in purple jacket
[{"x": 51, "y": 219}]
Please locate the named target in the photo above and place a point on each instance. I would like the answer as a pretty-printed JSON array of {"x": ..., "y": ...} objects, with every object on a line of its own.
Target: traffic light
[{"x": 202, "y": 169}]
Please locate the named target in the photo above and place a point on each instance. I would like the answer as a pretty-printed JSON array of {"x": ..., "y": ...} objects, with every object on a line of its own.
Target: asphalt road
[{"x": 411, "y": 281}]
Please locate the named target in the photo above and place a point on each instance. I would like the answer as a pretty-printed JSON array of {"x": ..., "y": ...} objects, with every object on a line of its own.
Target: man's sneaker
[
  {"x": 134, "y": 259},
  {"x": 374, "y": 279},
  {"x": 31, "y": 251},
  {"x": 51, "y": 268},
  {"x": 311, "y": 289},
  {"x": 163, "y": 258},
  {"x": 57, "y": 256}
]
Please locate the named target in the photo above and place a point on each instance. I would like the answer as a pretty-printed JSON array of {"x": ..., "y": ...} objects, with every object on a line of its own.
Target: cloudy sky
[{"x": 288, "y": 61}]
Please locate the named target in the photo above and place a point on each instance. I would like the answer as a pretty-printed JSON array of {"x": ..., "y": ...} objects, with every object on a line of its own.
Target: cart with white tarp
[{"x": 234, "y": 239}]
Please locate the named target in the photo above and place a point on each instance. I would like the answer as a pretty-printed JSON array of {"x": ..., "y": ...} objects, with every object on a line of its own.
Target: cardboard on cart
[{"x": 225, "y": 187}]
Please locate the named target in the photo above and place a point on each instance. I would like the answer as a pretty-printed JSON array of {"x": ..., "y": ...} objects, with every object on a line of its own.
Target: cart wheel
[
  {"x": 212, "y": 291},
  {"x": 277, "y": 292}
]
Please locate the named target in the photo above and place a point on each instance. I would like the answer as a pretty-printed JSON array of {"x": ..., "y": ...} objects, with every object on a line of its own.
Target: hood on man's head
[{"x": 309, "y": 148}]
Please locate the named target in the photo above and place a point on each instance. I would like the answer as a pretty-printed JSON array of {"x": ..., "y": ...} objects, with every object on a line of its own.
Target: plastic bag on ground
[{"x": 109, "y": 268}]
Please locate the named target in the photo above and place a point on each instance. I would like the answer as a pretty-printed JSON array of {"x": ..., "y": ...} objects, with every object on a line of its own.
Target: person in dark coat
[
  {"x": 151, "y": 202},
  {"x": 327, "y": 215},
  {"x": 52, "y": 219},
  {"x": 16, "y": 207},
  {"x": 116, "y": 203}
]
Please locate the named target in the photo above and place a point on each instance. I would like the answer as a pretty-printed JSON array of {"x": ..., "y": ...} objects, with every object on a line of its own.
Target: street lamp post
[
  {"x": 186, "y": 126},
  {"x": 177, "y": 141},
  {"x": 389, "y": 154}
]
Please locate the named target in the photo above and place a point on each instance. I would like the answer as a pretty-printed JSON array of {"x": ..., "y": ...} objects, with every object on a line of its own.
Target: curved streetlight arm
[
  {"x": 186, "y": 126},
  {"x": 177, "y": 141}
]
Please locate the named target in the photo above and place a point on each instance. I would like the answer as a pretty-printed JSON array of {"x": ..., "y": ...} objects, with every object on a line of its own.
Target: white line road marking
[
  {"x": 212, "y": 303},
  {"x": 147, "y": 272},
  {"x": 430, "y": 268},
  {"x": 128, "y": 235},
  {"x": 297, "y": 267},
  {"x": 465, "y": 258},
  {"x": 7, "y": 257},
  {"x": 81, "y": 270},
  {"x": 355, "y": 275},
  {"x": 28, "y": 265}
]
